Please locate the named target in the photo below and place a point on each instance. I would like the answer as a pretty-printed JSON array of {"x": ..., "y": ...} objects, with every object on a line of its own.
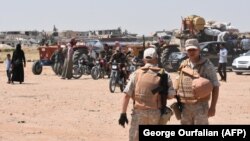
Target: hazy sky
[{"x": 137, "y": 16}]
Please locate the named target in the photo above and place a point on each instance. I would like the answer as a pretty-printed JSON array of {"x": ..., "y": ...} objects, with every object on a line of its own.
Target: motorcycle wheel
[
  {"x": 84, "y": 70},
  {"x": 102, "y": 73},
  {"x": 95, "y": 73},
  {"x": 122, "y": 84},
  {"x": 77, "y": 72},
  {"x": 112, "y": 84}
]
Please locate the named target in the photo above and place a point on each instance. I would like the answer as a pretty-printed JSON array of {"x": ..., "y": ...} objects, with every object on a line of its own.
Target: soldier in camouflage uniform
[
  {"x": 197, "y": 111},
  {"x": 146, "y": 108}
]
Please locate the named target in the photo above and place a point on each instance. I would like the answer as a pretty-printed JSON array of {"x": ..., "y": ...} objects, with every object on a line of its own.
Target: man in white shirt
[{"x": 222, "y": 63}]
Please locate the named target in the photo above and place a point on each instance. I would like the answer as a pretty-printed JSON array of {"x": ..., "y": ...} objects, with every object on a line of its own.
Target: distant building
[
  {"x": 106, "y": 33},
  {"x": 67, "y": 34},
  {"x": 31, "y": 37},
  {"x": 14, "y": 37}
]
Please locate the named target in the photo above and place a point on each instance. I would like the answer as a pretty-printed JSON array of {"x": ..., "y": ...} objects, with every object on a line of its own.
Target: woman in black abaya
[{"x": 18, "y": 63}]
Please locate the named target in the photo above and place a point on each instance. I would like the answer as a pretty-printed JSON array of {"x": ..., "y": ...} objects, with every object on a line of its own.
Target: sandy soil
[{"x": 47, "y": 108}]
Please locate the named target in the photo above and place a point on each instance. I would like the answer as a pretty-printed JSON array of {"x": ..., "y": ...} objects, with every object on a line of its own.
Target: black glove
[{"x": 123, "y": 119}]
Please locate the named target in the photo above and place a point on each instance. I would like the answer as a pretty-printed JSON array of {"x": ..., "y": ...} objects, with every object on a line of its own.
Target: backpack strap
[{"x": 183, "y": 65}]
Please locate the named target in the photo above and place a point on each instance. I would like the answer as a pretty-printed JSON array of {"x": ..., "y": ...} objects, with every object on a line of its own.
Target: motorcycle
[
  {"x": 134, "y": 64},
  {"x": 82, "y": 68},
  {"x": 98, "y": 71},
  {"x": 117, "y": 78}
]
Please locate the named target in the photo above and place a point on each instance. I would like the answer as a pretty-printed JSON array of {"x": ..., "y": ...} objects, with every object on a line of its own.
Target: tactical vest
[
  {"x": 185, "y": 83},
  {"x": 146, "y": 81}
]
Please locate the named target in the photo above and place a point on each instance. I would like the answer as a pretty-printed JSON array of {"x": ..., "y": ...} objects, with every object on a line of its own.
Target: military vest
[
  {"x": 146, "y": 81},
  {"x": 185, "y": 90}
]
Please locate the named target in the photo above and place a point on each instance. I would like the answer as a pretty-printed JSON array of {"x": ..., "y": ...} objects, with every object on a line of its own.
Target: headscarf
[{"x": 18, "y": 47}]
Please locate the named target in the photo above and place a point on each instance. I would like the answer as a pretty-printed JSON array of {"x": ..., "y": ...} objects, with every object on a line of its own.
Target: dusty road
[{"x": 47, "y": 108}]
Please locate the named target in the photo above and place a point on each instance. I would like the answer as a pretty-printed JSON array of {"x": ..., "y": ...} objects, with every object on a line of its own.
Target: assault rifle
[{"x": 162, "y": 89}]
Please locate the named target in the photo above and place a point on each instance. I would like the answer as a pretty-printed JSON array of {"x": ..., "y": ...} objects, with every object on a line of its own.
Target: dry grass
[{"x": 31, "y": 53}]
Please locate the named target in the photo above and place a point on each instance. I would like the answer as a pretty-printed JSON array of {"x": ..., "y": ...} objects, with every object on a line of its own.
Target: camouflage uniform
[
  {"x": 196, "y": 113},
  {"x": 145, "y": 116}
]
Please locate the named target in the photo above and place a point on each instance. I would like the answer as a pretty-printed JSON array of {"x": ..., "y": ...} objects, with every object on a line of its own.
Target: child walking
[{"x": 8, "y": 67}]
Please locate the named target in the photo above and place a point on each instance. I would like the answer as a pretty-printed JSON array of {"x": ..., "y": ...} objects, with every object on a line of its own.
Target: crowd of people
[
  {"x": 65, "y": 58},
  {"x": 150, "y": 86}
]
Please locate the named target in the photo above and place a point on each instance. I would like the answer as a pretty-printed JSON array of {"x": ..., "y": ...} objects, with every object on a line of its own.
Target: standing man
[
  {"x": 222, "y": 63},
  {"x": 245, "y": 44},
  {"x": 147, "y": 105},
  {"x": 68, "y": 61},
  {"x": 160, "y": 46},
  {"x": 195, "y": 110}
]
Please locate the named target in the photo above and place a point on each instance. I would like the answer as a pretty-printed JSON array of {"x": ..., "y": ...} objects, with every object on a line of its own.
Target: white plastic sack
[
  {"x": 212, "y": 32},
  {"x": 222, "y": 36},
  {"x": 219, "y": 25}
]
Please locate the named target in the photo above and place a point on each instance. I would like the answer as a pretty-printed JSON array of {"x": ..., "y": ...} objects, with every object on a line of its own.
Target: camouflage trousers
[
  {"x": 195, "y": 114},
  {"x": 144, "y": 117}
]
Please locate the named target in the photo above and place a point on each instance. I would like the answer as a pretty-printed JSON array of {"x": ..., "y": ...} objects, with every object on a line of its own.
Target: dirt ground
[{"x": 47, "y": 108}]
